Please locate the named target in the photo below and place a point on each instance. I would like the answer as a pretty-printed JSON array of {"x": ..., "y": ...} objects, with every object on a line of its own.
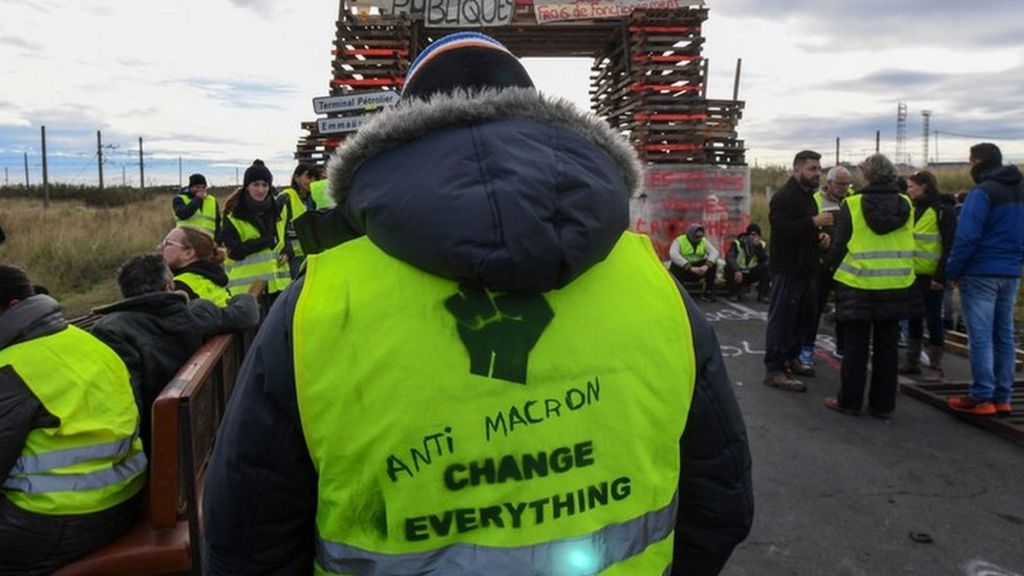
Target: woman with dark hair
[
  {"x": 197, "y": 265},
  {"x": 253, "y": 234},
  {"x": 934, "y": 230},
  {"x": 872, "y": 259},
  {"x": 296, "y": 200}
]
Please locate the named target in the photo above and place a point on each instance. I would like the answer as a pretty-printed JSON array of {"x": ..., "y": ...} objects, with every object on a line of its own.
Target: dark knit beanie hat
[
  {"x": 196, "y": 180},
  {"x": 467, "y": 60},
  {"x": 258, "y": 171},
  {"x": 754, "y": 228},
  {"x": 14, "y": 285}
]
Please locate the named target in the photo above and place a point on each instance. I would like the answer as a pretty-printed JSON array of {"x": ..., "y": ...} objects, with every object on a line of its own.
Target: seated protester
[
  {"x": 295, "y": 201},
  {"x": 746, "y": 262},
  {"x": 71, "y": 466},
  {"x": 197, "y": 265},
  {"x": 253, "y": 232},
  {"x": 694, "y": 260},
  {"x": 156, "y": 329}
]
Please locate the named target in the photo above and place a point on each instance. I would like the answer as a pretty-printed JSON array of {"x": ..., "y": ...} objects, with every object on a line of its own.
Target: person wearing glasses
[{"x": 197, "y": 265}]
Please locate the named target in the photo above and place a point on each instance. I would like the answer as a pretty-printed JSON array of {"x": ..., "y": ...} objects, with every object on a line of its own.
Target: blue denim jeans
[{"x": 988, "y": 310}]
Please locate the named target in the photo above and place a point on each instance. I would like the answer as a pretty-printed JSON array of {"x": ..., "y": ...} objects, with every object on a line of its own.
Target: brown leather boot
[
  {"x": 933, "y": 372},
  {"x": 912, "y": 366},
  {"x": 784, "y": 382}
]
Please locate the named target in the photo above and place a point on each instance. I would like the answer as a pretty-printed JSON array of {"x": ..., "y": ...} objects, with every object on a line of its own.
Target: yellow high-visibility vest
[
  {"x": 873, "y": 261},
  {"x": 473, "y": 432},
  {"x": 205, "y": 288},
  {"x": 695, "y": 255},
  {"x": 321, "y": 194},
  {"x": 204, "y": 219},
  {"x": 927, "y": 243},
  {"x": 93, "y": 459},
  {"x": 262, "y": 265}
]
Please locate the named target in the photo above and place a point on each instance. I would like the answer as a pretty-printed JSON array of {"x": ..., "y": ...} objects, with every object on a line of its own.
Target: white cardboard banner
[
  {"x": 561, "y": 10},
  {"x": 448, "y": 13}
]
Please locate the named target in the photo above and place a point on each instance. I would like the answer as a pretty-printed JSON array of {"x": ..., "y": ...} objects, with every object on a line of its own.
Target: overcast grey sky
[{"x": 221, "y": 82}]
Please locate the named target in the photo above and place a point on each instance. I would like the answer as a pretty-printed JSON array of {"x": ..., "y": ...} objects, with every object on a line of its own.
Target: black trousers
[
  {"x": 792, "y": 313},
  {"x": 758, "y": 274},
  {"x": 687, "y": 277},
  {"x": 876, "y": 340},
  {"x": 38, "y": 544}
]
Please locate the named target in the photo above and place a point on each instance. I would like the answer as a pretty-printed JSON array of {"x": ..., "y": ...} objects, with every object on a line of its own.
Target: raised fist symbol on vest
[{"x": 499, "y": 331}]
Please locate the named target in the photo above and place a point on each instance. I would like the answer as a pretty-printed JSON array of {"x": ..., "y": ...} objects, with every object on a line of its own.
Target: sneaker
[
  {"x": 783, "y": 382},
  {"x": 969, "y": 405},
  {"x": 800, "y": 369},
  {"x": 1003, "y": 408}
]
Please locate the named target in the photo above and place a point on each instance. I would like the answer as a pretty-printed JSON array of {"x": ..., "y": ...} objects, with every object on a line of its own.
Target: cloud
[
  {"x": 242, "y": 93},
  {"x": 259, "y": 5},
  {"x": 19, "y": 42}
]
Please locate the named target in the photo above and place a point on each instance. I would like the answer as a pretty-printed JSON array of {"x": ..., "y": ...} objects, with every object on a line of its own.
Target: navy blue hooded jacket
[
  {"x": 990, "y": 230},
  {"x": 506, "y": 190}
]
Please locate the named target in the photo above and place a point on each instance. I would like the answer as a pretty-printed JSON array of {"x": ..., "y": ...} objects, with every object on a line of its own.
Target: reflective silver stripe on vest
[
  {"x": 201, "y": 217},
  {"x": 589, "y": 554},
  {"x": 922, "y": 255},
  {"x": 235, "y": 282},
  {"x": 43, "y": 483},
  {"x": 254, "y": 259},
  {"x": 928, "y": 237},
  {"x": 37, "y": 463},
  {"x": 882, "y": 254},
  {"x": 877, "y": 272}
]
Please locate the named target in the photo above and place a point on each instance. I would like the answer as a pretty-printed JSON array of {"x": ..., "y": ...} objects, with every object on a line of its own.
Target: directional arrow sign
[
  {"x": 357, "y": 101},
  {"x": 342, "y": 124}
]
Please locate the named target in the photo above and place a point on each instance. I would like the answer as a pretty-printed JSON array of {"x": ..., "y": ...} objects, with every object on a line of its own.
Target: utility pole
[
  {"x": 837, "y": 151},
  {"x": 26, "y": 169},
  {"x": 7, "y": 178},
  {"x": 236, "y": 176},
  {"x": 878, "y": 141},
  {"x": 124, "y": 176},
  {"x": 936, "y": 146},
  {"x": 736, "y": 81},
  {"x": 46, "y": 175},
  {"x": 926, "y": 116},
  {"x": 142, "y": 169},
  {"x": 179, "y": 172},
  {"x": 99, "y": 156}
]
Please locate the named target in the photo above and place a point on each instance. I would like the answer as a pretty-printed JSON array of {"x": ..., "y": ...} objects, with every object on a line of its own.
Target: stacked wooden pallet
[
  {"x": 650, "y": 83},
  {"x": 371, "y": 52}
]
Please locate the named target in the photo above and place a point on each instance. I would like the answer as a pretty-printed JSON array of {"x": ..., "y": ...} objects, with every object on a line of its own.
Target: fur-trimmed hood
[{"x": 509, "y": 189}]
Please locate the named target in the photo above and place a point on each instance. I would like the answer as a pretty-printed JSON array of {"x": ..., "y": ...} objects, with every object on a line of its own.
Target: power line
[{"x": 974, "y": 136}]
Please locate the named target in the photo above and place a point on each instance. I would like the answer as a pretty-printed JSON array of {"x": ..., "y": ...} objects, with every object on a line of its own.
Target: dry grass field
[{"x": 74, "y": 250}]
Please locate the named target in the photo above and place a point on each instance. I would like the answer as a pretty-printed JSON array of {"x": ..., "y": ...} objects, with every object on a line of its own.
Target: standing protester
[
  {"x": 197, "y": 208},
  {"x": 986, "y": 259},
  {"x": 318, "y": 189},
  {"x": 837, "y": 188},
  {"x": 872, "y": 257},
  {"x": 694, "y": 259},
  {"x": 296, "y": 200},
  {"x": 254, "y": 236},
  {"x": 746, "y": 262},
  {"x": 155, "y": 329},
  {"x": 197, "y": 265},
  {"x": 63, "y": 394},
  {"x": 428, "y": 327},
  {"x": 795, "y": 245},
  {"x": 934, "y": 229}
]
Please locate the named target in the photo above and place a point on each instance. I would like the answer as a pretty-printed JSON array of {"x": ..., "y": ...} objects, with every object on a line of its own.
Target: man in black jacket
[
  {"x": 261, "y": 504},
  {"x": 795, "y": 245},
  {"x": 156, "y": 329}
]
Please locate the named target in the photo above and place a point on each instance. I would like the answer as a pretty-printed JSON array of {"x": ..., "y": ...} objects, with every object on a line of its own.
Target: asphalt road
[{"x": 843, "y": 495}]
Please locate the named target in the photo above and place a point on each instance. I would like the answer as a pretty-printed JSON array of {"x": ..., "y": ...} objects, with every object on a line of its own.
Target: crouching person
[
  {"x": 746, "y": 262},
  {"x": 71, "y": 462},
  {"x": 155, "y": 329}
]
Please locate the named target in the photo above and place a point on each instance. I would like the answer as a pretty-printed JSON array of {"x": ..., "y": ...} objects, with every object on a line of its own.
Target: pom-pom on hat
[
  {"x": 467, "y": 60},
  {"x": 258, "y": 171}
]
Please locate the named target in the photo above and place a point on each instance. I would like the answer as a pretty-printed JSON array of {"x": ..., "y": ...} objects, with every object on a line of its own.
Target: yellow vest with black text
[
  {"x": 873, "y": 261},
  {"x": 927, "y": 243},
  {"x": 205, "y": 288},
  {"x": 205, "y": 218},
  {"x": 93, "y": 459},
  {"x": 296, "y": 207},
  {"x": 260, "y": 265},
  {"x": 695, "y": 255},
  {"x": 459, "y": 431}
]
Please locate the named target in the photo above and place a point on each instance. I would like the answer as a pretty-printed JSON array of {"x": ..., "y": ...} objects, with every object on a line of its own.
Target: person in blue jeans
[{"x": 986, "y": 259}]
